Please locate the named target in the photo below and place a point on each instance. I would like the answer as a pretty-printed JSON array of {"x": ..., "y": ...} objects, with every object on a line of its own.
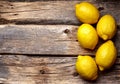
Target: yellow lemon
[
  {"x": 106, "y": 27},
  {"x": 87, "y": 13},
  {"x": 87, "y": 36},
  {"x": 106, "y": 55},
  {"x": 86, "y": 67}
]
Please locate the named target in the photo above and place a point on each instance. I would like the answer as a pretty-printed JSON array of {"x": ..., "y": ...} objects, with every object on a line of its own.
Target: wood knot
[
  {"x": 15, "y": 14},
  {"x": 42, "y": 72},
  {"x": 11, "y": 4},
  {"x": 101, "y": 8},
  {"x": 66, "y": 31},
  {"x": 75, "y": 74}
]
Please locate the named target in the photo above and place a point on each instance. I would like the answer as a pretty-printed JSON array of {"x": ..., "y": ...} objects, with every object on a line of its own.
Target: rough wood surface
[
  {"x": 43, "y": 39},
  {"x": 50, "y": 12},
  {"x": 49, "y": 50},
  {"x": 18, "y": 69},
  {"x": 40, "y": 39}
]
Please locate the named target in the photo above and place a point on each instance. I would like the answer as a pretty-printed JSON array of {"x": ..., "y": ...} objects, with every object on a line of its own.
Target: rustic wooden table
[{"x": 38, "y": 42}]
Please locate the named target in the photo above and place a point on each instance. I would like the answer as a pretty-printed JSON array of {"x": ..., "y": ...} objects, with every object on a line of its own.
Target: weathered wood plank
[
  {"x": 50, "y": 12},
  {"x": 18, "y": 69},
  {"x": 40, "y": 39},
  {"x": 43, "y": 39}
]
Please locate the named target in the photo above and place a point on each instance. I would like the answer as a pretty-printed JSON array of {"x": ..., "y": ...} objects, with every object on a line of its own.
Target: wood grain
[
  {"x": 19, "y": 69},
  {"x": 46, "y": 53},
  {"x": 43, "y": 39},
  {"x": 40, "y": 39},
  {"x": 50, "y": 12}
]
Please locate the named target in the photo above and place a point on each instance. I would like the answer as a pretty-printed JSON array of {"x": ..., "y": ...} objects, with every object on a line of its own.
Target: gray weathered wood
[
  {"x": 40, "y": 39},
  {"x": 43, "y": 39},
  {"x": 18, "y": 69},
  {"x": 50, "y": 12}
]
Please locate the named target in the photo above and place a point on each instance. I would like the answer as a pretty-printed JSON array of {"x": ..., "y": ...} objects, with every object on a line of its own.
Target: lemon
[
  {"x": 106, "y": 27},
  {"x": 87, "y": 36},
  {"x": 106, "y": 55},
  {"x": 87, "y": 13},
  {"x": 86, "y": 67}
]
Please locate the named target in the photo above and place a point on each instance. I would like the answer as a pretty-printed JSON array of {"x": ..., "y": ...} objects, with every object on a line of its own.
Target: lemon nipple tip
[
  {"x": 101, "y": 68},
  {"x": 105, "y": 37}
]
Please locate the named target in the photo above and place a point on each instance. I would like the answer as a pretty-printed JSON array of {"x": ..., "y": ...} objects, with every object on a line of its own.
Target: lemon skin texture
[
  {"x": 106, "y": 55},
  {"x": 87, "y": 12},
  {"x": 106, "y": 27},
  {"x": 87, "y": 36},
  {"x": 86, "y": 67}
]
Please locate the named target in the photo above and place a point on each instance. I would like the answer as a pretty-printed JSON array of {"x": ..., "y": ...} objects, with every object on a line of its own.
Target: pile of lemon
[{"x": 88, "y": 37}]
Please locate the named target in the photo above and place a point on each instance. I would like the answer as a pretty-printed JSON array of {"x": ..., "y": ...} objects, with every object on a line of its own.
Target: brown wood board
[
  {"x": 43, "y": 39},
  {"x": 50, "y": 12},
  {"x": 19, "y": 69},
  {"x": 38, "y": 42}
]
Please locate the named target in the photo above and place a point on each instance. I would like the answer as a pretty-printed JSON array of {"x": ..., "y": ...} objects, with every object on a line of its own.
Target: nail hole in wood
[
  {"x": 11, "y": 5},
  {"x": 101, "y": 8},
  {"x": 42, "y": 72},
  {"x": 67, "y": 31},
  {"x": 75, "y": 74},
  {"x": 15, "y": 14}
]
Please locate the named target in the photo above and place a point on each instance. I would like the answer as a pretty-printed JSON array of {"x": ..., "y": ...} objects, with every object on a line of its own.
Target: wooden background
[{"x": 38, "y": 42}]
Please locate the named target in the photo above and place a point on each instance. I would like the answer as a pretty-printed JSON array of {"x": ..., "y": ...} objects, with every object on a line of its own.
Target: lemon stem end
[
  {"x": 79, "y": 57},
  {"x": 105, "y": 37},
  {"x": 101, "y": 68}
]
